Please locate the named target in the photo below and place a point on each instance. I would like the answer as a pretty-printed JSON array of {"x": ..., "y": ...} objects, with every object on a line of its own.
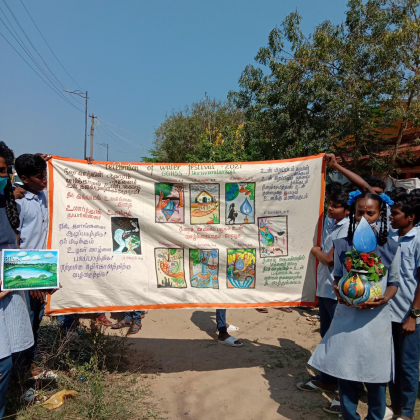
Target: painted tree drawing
[
  {"x": 204, "y": 268},
  {"x": 205, "y": 205},
  {"x": 241, "y": 268},
  {"x": 169, "y": 203},
  {"x": 273, "y": 236},
  {"x": 170, "y": 268},
  {"x": 240, "y": 203}
]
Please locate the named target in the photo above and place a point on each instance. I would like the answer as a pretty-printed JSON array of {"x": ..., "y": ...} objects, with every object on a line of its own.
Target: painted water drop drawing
[
  {"x": 29, "y": 269},
  {"x": 273, "y": 236},
  {"x": 240, "y": 203},
  {"x": 169, "y": 203},
  {"x": 241, "y": 268},
  {"x": 364, "y": 239},
  {"x": 170, "y": 267},
  {"x": 125, "y": 235},
  {"x": 204, "y": 268},
  {"x": 205, "y": 204}
]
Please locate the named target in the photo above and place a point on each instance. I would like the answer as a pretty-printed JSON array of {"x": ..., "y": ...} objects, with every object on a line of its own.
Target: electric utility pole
[
  {"x": 107, "y": 147},
  {"x": 80, "y": 93},
  {"x": 92, "y": 128}
]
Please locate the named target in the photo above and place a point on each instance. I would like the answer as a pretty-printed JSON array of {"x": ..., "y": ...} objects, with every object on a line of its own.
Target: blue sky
[
  {"x": 49, "y": 257},
  {"x": 138, "y": 59}
]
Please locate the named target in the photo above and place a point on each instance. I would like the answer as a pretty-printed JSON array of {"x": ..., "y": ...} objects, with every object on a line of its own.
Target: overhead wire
[
  {"x": 48, "y": 45},
  {"x": 35, "y": 49},
  {"x": 115, "y": 140},
  {"x": 122, "y": 138},
  {"x": 22, "y": 45},
  {"x": 57, "y": 93}
]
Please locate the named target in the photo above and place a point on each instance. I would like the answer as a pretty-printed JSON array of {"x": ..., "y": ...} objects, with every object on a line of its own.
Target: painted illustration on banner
[
  {"x": 205, "y": 205},
  {"x": 29, "y": 269},
  {"x": 125, "y": 235},
  {"x": 170, "y": 267},
  {"x": 241, "y": 268},
  {"x": 204, "y": 268},
  {"x": 273, "y": 236},
  {"x": 169, "y": 203},
  {"x": 240, "y": 203}
]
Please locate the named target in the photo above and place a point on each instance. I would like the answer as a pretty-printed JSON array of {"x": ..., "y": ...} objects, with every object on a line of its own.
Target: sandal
[
  {"x": 134, "y": 329},
  {"x": 334, "y": 407},
  {"x": 119, "y": 325},
  {"x": 103, "y": 320},
  {"x": 262, "y": 310},
  {"x": 288, "y": 310},
  {"x": 312, "y": 387}
]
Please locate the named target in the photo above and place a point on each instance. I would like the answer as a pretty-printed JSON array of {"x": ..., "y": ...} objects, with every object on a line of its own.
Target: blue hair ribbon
[
  {"x": 386, "y": 199},
  {"x": 352, "y": 197}
]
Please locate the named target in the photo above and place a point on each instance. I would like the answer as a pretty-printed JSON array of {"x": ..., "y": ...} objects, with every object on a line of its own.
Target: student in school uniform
[
  {"x": 33, "y": 228},
  {"x": 15, "y": 327},
  {"x": 405, "y": 309},
  {"x": 357, "y": 348},
  {"x": 338, "y": 210}
]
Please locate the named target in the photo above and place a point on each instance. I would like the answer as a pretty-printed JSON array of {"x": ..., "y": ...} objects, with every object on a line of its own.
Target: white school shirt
[
  {"x": 33, "y": 214},
  {"x": 325, "y": 274},
  {"x": 409, "y": 247}
]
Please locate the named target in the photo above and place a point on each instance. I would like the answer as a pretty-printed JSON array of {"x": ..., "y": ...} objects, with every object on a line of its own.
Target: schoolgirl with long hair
[
  {"x": 15, "y": 325},
  {"x": 357, "y": 347}
]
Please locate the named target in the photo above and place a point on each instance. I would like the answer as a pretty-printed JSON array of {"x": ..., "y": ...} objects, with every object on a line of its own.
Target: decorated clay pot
[{"x": 356, "y": 289}]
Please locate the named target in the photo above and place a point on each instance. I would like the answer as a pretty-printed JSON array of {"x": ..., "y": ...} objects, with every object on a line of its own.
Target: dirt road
[{"x": 194, "y": 377}]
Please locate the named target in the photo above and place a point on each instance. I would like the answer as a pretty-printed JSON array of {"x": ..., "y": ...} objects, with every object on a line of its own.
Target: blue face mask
[{"x": 3, "y": 183}]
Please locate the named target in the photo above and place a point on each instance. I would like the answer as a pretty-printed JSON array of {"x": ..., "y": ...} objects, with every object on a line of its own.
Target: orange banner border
[{"x": 94, "y": 309}]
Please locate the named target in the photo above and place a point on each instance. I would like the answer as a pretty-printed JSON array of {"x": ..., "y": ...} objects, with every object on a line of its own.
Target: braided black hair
[
  {"x": 383, "y": 230},
  {"x": 11, "y": 209}
]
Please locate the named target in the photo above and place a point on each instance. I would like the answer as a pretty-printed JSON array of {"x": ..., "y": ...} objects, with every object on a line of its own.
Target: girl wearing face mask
[
  {"x": 358, "y": 345},
  {"x": 15, "y": 326}
]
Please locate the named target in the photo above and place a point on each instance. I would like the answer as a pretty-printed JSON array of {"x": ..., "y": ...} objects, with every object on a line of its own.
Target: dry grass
[{"x": 90, "y": 362}]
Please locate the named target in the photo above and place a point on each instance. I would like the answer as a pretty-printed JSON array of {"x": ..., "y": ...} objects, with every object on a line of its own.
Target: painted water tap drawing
[
  {"x": 169, "y": 203},
  {"x": 241, "y": 268},
  {"x": 205, "y": 205},
  {"x": 170, "y": 267},
  {"x": 29, "y": 269},
  {"x": 240, "y": 203},
  {"x": 204, "y": 268},
  {"x": 273, "y": 236},
  {"x": 125, "y": 235}
]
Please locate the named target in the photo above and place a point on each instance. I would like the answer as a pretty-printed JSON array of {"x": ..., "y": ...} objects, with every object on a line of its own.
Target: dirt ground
[{"x": 192, "y": 376}]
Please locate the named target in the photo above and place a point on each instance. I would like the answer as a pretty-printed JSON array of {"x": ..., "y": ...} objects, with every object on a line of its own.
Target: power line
[
  {"x": 109, "y": 134},
  {"x": 48, "y": 45},
  {"x": 22, "y": 45},
  {"x": 30, "y": 42},
  {"x": 61, "y": 96},
  {"x": 32, "y": 45},
  {"x": 122, "y": 138}
]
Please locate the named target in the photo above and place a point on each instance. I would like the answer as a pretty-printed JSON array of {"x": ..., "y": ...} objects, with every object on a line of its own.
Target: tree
[
  {"x": 208, "y": 131},
  {"x": 336, "y": 89}
]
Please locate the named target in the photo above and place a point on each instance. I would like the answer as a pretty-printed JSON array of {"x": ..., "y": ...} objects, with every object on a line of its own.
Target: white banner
[{"x": 220, "y": 235}]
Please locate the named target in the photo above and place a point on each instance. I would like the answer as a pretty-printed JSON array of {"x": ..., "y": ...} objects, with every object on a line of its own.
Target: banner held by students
[{"x": 219, "y": 235}]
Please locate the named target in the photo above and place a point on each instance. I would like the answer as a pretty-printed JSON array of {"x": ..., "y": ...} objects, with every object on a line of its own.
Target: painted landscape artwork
[
  {"x": 204, "y": 268},
  {"x": 205, "y": 205},
  {"x": 169, "y": 203},
  {"x": 273, "y": 236},
  {"x": 29, "y": 270},
  {"x": 240, "y": 203},
  {"x": 170, "y": 268},
  {"x": 241, "y": 268}
]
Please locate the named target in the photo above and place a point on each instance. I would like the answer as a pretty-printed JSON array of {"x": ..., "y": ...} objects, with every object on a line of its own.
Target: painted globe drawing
[{"x": 355, "y": 288}]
